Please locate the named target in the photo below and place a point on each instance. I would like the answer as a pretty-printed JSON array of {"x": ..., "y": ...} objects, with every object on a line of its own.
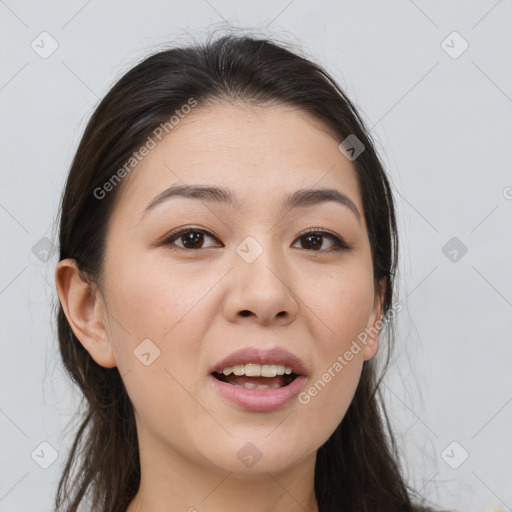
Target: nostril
[{"x": 245, "y": 312}]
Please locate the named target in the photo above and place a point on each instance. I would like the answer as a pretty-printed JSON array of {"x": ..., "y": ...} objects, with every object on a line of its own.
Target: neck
[{"x": 172, "y": 482}]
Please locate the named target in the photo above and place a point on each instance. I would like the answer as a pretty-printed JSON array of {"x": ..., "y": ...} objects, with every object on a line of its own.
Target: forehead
[{"x": 262, "y": 153}]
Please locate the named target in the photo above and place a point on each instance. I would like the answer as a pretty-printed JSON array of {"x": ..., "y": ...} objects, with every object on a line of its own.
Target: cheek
[
  {"x": 152, "y": 300},
  {"x": 165, "y": 411},
  {"x": 324, "y": 402},
  {"x": 149, "y": 301},
  {"x": 343, "y": 302}
]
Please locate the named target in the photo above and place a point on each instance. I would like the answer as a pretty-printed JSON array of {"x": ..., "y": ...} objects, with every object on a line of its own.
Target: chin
[{"x": 256, "y": 456}]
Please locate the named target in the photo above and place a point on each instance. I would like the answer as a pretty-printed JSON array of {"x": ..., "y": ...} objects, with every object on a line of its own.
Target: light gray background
[{"x": 442, "y": 126}]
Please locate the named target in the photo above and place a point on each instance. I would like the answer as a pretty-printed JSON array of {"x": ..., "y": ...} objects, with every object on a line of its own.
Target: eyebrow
[{"x": 303, "y": 198}]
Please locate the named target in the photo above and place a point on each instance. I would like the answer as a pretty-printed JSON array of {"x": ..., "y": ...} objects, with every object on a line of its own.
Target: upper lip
[{"x": 277, "y": 355}]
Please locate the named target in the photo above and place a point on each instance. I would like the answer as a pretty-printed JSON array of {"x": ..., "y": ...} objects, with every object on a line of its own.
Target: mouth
[
  {"x": 259, "y": 380},
  {"x": 257, "y": 376}
]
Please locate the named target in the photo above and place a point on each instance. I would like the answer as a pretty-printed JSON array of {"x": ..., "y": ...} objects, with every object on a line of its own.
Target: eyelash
[{"x": 339, "y": 243}]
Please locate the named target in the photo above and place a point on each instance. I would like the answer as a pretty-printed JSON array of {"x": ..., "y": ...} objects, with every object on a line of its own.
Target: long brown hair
[{"x": 358, "y": 467}]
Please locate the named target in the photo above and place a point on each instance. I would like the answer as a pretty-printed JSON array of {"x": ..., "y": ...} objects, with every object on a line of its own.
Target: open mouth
[{"x": 242, "y": 381}]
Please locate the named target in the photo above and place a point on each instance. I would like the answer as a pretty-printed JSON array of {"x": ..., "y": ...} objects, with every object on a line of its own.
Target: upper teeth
[{"x": 258, "y": 370}]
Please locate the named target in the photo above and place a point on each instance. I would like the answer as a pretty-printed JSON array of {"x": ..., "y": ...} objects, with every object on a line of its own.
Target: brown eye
[
  {"x": 190, "y": 238},
  {"x": 313, "y": 240},
  {"x": 194, "y": 239}
]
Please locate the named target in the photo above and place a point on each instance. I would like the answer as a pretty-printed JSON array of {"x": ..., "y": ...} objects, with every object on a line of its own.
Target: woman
[{"x": 227, "y": 258}]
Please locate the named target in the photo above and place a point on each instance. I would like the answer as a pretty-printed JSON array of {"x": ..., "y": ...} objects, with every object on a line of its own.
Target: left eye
[
  {"x": 193, "y": 238},
  {"x": 314, "y": 239}
]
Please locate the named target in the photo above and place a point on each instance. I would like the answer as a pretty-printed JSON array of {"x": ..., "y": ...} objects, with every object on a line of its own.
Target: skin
[{"x": 188, "y": 302}]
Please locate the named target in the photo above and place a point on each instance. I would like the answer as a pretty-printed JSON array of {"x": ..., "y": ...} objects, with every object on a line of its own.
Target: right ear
[{"x": 84, "y": 308}]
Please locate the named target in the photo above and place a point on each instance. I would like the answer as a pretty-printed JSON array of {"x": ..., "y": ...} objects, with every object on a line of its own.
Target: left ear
[{"x": 374, "y": 326}]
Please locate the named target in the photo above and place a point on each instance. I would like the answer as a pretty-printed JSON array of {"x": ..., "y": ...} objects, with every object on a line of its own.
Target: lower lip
[{"x": 259, "y": 400}]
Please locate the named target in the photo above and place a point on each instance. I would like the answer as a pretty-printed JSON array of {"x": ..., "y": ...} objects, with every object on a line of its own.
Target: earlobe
[
  {"x": 373, "y": 329},
  {"x": 81, "y": 303}
]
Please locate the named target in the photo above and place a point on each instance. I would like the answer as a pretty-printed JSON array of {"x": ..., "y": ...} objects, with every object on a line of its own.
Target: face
[{"x": 199, "y": 279}]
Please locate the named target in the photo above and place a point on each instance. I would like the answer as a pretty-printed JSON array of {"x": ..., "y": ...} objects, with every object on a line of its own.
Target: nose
[{"x": 261, "y": 289}]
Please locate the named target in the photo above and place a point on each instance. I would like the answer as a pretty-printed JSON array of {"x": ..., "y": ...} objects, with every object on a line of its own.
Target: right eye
[{"x": 191, "y": 238}]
